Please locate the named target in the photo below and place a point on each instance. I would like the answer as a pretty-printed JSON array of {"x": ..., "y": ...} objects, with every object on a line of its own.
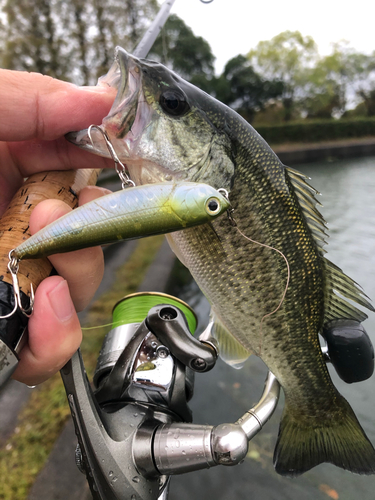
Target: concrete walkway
[{"x": 293, "y": 154}]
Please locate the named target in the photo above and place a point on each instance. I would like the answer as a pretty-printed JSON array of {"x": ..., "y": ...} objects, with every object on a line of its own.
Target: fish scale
[
  {"x": 243, "y": 263},
  {"x": 184, "y": 134}
]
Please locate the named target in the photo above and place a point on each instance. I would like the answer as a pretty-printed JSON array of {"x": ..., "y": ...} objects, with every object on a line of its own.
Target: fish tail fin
[{"x": 336, "y": 438}]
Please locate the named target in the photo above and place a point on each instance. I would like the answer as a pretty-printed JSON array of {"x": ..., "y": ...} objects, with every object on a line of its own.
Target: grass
[{"x": 41, "y": 421}]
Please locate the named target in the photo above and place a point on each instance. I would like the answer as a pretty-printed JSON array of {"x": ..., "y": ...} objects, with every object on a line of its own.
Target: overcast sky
[{"x": 232, "y": 27}]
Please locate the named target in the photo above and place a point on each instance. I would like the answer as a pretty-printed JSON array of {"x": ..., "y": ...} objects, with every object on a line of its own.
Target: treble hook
[
  {"x": 230, "y": 210},
  {"x": 119, "y": 166},
  {"x": 13, "y": 266}
]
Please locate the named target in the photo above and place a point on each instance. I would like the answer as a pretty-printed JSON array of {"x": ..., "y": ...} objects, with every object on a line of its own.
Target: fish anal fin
[
  {"x": 339, "y": 439},
  {"x": 230, "y": 350}
]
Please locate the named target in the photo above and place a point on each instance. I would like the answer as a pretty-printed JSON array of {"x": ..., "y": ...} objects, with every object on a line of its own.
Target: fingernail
[
  {"x": 103, "y": 190},
  {"x": 60, "y": 301},
  {"x": 97, "y": 89}
]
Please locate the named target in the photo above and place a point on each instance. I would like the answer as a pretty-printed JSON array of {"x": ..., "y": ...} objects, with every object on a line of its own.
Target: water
[
  {"x": 348, "y": 189},
  {"x": 224, "y": 394}
]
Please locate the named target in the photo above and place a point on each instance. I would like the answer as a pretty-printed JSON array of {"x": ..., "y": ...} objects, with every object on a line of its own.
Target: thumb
[{"x": 54, "y": 333}]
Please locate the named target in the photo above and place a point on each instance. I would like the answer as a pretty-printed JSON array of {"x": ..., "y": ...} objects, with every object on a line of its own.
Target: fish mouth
[{"x": 123, "y": 117}]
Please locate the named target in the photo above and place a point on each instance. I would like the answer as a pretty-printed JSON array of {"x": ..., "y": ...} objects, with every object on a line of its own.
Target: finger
[
  {"x": 28, "y": 157},
  {"x": 41, "y": 107},
  {"x": 22, "y": 159},
  {"x": 90, "y": 193},
  {"x": 83, "y": 269},
  {"x": 54, "y": 333},
  {"x": 35, "y": 108}
]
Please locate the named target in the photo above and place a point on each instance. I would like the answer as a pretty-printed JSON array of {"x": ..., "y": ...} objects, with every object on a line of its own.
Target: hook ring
[
  {"x": 13, "y": 266},
  {"x": 119, "y": 166}
]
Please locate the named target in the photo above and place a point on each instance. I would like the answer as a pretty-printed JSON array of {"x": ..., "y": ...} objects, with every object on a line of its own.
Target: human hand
[{"x": 36, "y": 112}]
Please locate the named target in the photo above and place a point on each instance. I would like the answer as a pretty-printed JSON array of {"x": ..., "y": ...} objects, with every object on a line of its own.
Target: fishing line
[
  {"x": 287, "y": 280},
  {"x": 113, "y": 324},
  {"x": 233, "y": 223},
  {"x": 99, "y": 326},
  {"x": 134, "y": 308},
  {"x": 287, "y": 265}
]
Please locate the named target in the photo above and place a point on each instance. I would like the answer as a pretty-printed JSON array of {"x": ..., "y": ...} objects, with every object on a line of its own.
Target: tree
[
  {"x": 73, "y": 39},
  {"x": 339, "y": 81},
  {"x": 188, "y": 55},
  {"x": 324, "y": 93},
  {"x": 120, "y": 22},
  {"x": 333, "y": 76},
  {"x": 241, "y": 88},
  {"x": 364, "y": 81},
  {"x": 31, "y": 39},
  {"x": 285, "y": 58}
]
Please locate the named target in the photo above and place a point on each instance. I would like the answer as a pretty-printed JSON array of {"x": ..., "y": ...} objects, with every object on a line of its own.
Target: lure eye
[
  {"x": 213, "y": 206},
  {"x": 174, "y": 103}
]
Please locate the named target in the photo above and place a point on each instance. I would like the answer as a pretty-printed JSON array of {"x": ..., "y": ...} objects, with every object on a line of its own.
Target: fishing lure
[{"x": 132, "y": 213}]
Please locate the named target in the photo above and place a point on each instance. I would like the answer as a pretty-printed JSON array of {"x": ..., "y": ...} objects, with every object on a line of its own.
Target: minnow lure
[{"x": 127, "y": 214}]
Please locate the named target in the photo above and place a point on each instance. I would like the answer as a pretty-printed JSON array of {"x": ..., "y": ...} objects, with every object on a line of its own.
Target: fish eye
[
  {"x": 213, "y": 206},
  {"x": 174, "y": 103}
]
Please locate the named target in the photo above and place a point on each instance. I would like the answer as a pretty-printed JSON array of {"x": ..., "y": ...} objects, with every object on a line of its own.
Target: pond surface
[{"x": 223, "y": 395}]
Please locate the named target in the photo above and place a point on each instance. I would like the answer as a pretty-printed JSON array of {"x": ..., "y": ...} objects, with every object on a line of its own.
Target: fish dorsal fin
[
  {"x": 306, "y": 197},
  {"x": 230, "y": 350},
  {"x": 338, "y": 286},
  {"x": 336, "y": 281}
]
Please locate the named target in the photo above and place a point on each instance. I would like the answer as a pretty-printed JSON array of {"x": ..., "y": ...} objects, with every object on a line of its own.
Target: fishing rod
[
  {"x": 17, "y": 284},
  {"x": 135, "y": 430},
  {"x": 148, "y": 39}
]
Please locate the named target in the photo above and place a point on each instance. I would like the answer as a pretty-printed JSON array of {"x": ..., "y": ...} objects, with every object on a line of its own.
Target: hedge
[{"x": 317, "y": 130}]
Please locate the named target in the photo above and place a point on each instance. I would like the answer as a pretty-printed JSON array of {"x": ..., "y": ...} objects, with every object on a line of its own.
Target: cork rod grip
[{"x": 14, "y": 224}]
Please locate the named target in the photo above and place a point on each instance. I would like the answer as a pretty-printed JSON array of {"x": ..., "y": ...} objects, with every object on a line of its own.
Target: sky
[{"x": 233, "y": 27}]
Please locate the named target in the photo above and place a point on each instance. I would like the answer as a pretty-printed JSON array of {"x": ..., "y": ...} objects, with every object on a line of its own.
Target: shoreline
[{"x": 292, "y": 154}]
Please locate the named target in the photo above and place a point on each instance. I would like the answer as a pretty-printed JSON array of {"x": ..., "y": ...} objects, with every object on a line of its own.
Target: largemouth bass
[
  {"x": 165, "y": 129},
  {"x": 128, "y": 214}
]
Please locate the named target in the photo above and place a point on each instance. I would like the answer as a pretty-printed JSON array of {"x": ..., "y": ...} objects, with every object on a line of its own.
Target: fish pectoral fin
[
  {"x": 230, "y": 350},
  {"x": 337, "y": 438}
]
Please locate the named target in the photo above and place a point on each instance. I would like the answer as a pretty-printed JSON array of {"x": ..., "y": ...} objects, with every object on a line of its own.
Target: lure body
[{"x": 128, "y": 214}]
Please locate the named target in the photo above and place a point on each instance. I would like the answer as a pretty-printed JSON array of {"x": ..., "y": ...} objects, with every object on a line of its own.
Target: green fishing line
[{"x": 134, "y": 308}]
